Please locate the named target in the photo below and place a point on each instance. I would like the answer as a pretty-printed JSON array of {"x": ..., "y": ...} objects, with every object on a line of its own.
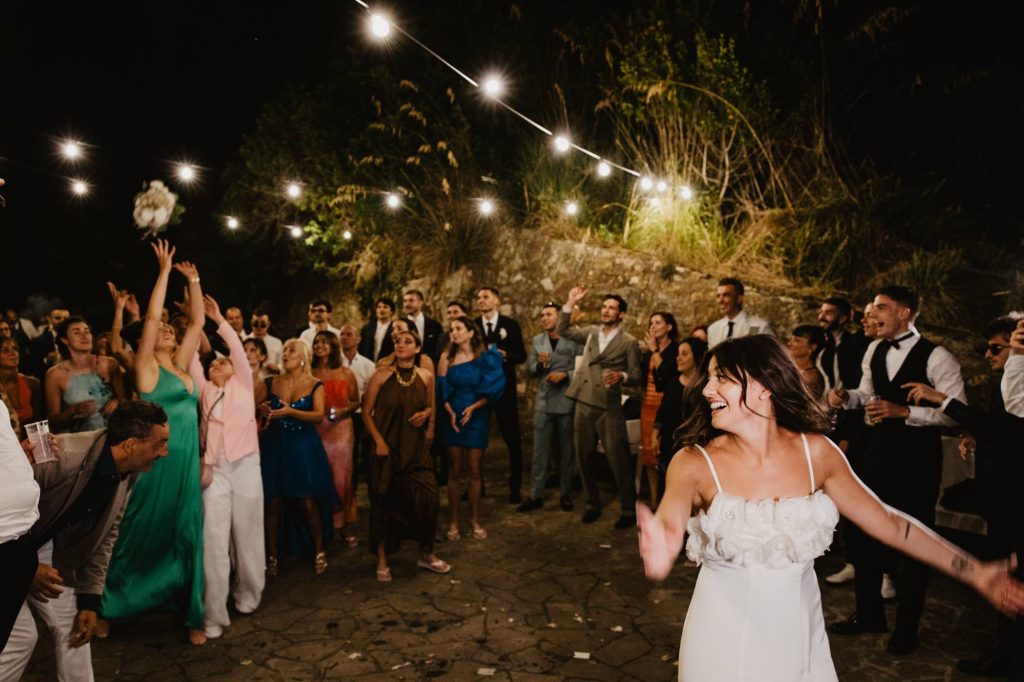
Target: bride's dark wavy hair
[{"x": 764, "y": 359}]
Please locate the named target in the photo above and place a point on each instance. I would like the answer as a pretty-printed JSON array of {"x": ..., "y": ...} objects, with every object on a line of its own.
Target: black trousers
[
  {"x": 905, "y": 475},
  {"x": 18, "y": 562},
  {"x": 507, "y": 412}
]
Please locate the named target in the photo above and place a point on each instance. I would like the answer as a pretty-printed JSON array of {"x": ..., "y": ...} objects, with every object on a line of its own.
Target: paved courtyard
[{"x": 543, "y": 598}]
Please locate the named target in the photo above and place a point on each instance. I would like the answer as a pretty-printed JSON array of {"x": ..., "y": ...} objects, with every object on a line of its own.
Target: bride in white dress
[{"x": 769, "y": 488}]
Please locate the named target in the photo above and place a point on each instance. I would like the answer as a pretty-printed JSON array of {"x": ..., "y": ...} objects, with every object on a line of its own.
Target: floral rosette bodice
[{"x": 770, "y": 533}]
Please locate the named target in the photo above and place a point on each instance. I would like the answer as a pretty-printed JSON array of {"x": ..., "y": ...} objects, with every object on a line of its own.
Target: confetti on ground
[
  {"x": 455, "y": 582},
  {"x": 617, "y": 628},
  {"x": 486, "y": 672},
  {"x": 665, "y": 657},
  {"x": 511, "y": 620},
  {"x": 607, "y": 584},
  {"x": 354, "y": 656},
  {"x": 483, "y": 608},
  {"x": 605, "y": 546},
  {"x": 552, "y": 626},
  {"x": 247, "y": 661},
  {"x": 401, "y": 665},
  {"x": 577, "y": 618},
  {"x": 584, "y": 655}
]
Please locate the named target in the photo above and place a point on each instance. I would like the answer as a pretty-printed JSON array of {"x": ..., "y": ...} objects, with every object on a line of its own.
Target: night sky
[{"x": 148, "y": 84}]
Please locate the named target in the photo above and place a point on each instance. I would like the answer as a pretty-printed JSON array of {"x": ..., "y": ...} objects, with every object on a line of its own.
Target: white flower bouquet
[{"x": 156, "y": 207}]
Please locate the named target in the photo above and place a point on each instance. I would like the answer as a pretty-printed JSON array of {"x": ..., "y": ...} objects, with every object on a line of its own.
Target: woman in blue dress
[
  {"x": 293, "y": 459},
  {"x": 469, "y": 379}
]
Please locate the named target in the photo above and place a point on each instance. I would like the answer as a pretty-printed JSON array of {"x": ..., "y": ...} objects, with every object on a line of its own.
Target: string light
[
  {"x": 393, "y": 200},
  {"x": 646, "y": 184},
  {"x": 685, "y": 193},
  {"x": 232, "y": 223},
  {"x": 662, "y": 186},
  {"x": 347, "y": 235},
  {"x": 486, "y": 207},
  {"x": 493, "y": 86},
  {"x": 562, "y": 143},
  {"x": 71, "y": 150},
  {"x": 293, "y": 190},
  {"x": 295, "y": 231},
  {"x": 655, "y": 202},
  {"x": 571, "y": 208},
  {"x": 79, "y": 187},
  {"x": 186, "y": 172},
  {"x": 604, "y": 169},
  {"x": 379, "y": 26}
]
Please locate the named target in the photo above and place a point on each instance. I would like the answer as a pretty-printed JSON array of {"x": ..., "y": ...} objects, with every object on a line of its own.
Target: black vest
[{"x": 894, "y": 433}]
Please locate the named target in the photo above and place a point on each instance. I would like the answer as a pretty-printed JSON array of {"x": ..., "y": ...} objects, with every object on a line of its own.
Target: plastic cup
[{"x": 39, "y": 436}]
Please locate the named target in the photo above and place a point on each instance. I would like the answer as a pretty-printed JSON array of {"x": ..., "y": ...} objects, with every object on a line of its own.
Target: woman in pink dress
[{"x": 342, "y": 399}]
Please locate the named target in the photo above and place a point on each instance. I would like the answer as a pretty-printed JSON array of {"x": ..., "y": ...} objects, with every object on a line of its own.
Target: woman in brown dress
[{"x": 398, "y": 412}]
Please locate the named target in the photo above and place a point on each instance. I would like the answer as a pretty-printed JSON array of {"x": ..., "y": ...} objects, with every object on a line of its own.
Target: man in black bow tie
[{"x": 903, "y": 463}]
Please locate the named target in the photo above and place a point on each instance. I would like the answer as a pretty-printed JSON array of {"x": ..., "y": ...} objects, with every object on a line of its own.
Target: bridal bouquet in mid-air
[{"x": 156, "y": 207}]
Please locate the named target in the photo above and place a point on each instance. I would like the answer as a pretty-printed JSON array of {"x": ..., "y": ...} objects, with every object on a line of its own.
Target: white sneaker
[
  {"x": 888, "y": 587},
  {"x": 213, "y": 631},
  {"x": 844, "y": 574}
]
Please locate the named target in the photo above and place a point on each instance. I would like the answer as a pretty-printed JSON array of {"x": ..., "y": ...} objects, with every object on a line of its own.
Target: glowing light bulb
[
  {"x": 486, "y": 207},
  {"x": 571, "y": 208},
  {"x": 685, "y": 193},
  {"x": 662, "y": 186},
  {"x": 295, "y": 231},
  {"x": 493, "y": 86},
  {"x": 232, "y": 223},
  {"x": 347, "y": 235},
  {"x": 655, "y": 202},
  {"x": 380, "y": 26},
  {"x": 603, "y": 169},
  {"x": 186, "y": 172},
  {"x": 646, "y": 184},
  {"x": 562, "y": 143},
  {"x": 71, "y": 150},
  {"x": 393, "y": 201},
  {"x": 294, "y": 191},
  {"x": 79, "y": 188}
]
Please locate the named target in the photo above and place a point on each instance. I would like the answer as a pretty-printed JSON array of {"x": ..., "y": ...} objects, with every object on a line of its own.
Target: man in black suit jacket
[
  {"x": 504, "y": 333},
  {"x": 375, "y": 336},
  {"x": 430, "y": 331},
  {"x": 43, "y": 352}
]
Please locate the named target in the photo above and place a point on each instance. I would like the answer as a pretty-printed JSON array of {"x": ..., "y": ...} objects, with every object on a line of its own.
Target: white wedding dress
[{"x": 756, "y": 610}]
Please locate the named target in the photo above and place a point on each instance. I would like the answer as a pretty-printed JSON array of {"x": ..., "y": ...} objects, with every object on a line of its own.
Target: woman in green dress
[{"x": 158, "y": 558}]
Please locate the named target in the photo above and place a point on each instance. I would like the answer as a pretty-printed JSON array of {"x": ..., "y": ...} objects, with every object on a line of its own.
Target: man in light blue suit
[{"x": 553, "y": 360}]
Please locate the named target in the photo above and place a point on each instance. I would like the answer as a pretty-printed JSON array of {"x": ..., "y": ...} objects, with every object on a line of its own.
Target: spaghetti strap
[
  {"x": 714, "y": 474},
  {"x": 810, "y": 466}
]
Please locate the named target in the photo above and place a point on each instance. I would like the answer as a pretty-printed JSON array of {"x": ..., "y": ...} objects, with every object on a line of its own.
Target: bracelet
[{"x": 194, "y": 280}]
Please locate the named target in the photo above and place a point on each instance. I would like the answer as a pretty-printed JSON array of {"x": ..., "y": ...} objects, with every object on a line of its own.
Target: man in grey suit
[
  {"x": 83, "y": 494},
  {"x": 553, "y": 360},
  {"x": 611, "y": 360}
]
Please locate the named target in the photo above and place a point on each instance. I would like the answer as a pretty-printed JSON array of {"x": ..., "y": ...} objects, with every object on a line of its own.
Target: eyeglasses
[
  {"x": 260, "y": 324},
  {"x": 993, "y": 348}
]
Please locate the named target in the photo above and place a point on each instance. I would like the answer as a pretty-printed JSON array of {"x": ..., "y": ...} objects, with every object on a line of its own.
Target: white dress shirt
[
  {"x": 19, "y": 492},
  {"x": 275, "y": 347},
  {"x": 943, "y": 372},
  {"x": 362, "y": 367},
  {"x": 378, "y": 337},
  {"x": 418, "y": 321},
  {"x": 492, "y": 321},
  {"x": 743, "y": 325},
  {"x": 604, "y": 339},
  {"x": 309, "y": 334},
  {"x": 1012, "y": 385}
]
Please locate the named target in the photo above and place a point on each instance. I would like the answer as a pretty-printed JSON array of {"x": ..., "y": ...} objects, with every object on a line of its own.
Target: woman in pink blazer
[{"x": 231, "y": 479}]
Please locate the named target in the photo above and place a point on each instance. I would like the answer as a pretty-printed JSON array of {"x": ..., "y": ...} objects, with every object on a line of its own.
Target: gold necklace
[{"x": 405, "y": 383}]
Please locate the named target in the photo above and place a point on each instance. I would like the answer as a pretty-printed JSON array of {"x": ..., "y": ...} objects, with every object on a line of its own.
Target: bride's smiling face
[{"x": 726, "y": 400}]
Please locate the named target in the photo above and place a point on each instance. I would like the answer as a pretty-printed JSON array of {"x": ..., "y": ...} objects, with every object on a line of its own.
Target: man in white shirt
[
  {"x": 19, "y": 510},
  {"x": 319, "y": 321},
  {"x": 260, "y": 325},
  {"x": 737, "y": 322},
  {"x": 361, "y": 366},
  {"x": 903, "y": 463},
  {"x": 233, "y": 316}
]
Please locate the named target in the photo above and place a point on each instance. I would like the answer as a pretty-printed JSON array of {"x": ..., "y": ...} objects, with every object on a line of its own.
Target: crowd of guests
[{"x": 239, "y": 448}]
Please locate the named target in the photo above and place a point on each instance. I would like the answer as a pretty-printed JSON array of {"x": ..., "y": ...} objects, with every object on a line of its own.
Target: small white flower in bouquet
[{"x": 156, "y": 207}]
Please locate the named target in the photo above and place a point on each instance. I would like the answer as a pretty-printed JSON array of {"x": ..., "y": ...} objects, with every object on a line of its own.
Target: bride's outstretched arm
[
  {"x": 908, "y": 535},
  {"x": 661, "y": 534}
]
